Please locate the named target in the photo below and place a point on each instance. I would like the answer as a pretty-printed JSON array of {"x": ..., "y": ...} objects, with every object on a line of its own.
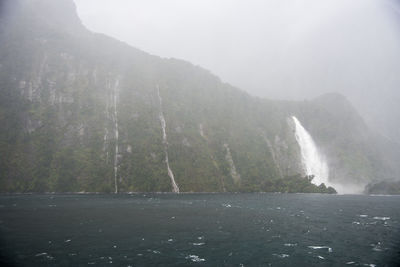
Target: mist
[
  {"x": 288, "y": 49},
  {"x": 275, "y": 146}
]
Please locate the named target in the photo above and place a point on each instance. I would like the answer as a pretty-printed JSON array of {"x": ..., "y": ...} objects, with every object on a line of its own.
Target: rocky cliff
[{"x": 83, "y": 112}]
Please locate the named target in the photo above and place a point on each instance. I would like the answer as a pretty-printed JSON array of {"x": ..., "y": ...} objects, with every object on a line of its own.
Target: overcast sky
[
  {"x": 267, "y": 47},
  {"x": 292, "y": 49}
]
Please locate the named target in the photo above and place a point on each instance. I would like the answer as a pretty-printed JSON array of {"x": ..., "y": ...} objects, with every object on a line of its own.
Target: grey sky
[{"x": 292, "y": 49}]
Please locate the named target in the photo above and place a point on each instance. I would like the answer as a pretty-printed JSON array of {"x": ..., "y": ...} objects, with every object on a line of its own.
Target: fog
[{"x": 284, "y": 49}]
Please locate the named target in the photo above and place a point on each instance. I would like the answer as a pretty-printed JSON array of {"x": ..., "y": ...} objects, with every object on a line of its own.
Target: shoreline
[{"x": 180, "y": 193}]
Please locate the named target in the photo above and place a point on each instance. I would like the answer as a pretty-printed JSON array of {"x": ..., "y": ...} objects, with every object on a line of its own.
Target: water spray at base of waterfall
[
  {"x": 314, "y": 162},
  {"x": 175, "y": 187}
]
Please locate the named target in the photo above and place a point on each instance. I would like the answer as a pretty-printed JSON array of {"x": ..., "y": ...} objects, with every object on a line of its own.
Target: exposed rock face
[{"x": 81, "y": 112}]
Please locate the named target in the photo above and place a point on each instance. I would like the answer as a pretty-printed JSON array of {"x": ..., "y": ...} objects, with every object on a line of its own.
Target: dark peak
[
  {"x": 332, "y": 96},
  {"x": 334, "y": 101},
  {"x": 60, "y": 14},
  {"x": 339, "y": 106}
]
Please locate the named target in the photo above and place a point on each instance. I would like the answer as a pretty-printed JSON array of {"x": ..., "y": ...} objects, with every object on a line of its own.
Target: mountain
[
  {"x": 83, "y": 112},
  {"x": 383, "y": 188}
]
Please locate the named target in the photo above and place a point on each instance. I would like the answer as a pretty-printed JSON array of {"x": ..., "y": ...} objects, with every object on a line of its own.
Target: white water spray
[
  {"x": 175, "y": 187},
  {"x": 115, "y": 94},
  {"x": 313, "y": 161}
]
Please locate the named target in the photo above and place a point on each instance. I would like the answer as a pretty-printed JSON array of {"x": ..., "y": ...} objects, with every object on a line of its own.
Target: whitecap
[
  {"x": 282, "y": 256},
  {"x": 321, "y": 247},
  {"x": 290, "y": 245},
  {"x": 363, "y": 215},
  {"x": 350, "y": 262},
  {"x": 67, "y": 241},
  {"x": 227, "y": 205},
  {"x": 198, "y": 244},
  {"x": 320, "y": 257},
  {"x": 41, "y": 254},
  {"x": 376, "y": 247},
  {"x": 381, "y": 218},
  {"x": 194, "y": 258},
  {"x": 49, "y": 257}
]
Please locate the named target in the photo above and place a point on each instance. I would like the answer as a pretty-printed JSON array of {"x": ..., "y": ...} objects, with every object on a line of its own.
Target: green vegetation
[
  {"x": 383, "y": 188},
  {"x": 58, "y": 122},
  {"x": 296, "y": 184}
]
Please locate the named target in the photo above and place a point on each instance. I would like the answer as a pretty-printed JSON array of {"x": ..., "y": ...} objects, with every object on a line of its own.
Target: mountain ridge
[{"x": 82, "y": 112}]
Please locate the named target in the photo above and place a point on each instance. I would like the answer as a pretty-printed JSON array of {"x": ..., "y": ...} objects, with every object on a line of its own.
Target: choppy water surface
[{"x": 199, "y": 229}]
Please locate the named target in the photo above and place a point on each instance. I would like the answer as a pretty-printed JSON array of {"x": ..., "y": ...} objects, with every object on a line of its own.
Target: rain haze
[
  {"x": 288, "y": 49},
  {"x": 187, "y": 132}
]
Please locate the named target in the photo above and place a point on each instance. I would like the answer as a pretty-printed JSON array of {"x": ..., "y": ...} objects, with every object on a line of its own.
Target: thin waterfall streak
[
  {"x": 115, "y": 92},
  {"x": 175, "y": 187},
  {"x": 235, "y": 175},
  {"x": 105, "y": 140}
]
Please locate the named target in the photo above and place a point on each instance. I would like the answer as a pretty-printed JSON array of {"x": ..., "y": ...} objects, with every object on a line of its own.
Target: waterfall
[
  {"x": 175, "y": 187},
  {"x": 313, "y": 161},
  {"x": 105, "y": 140},
  {"x": 273, "y": 154},
  {"x": 201, "y": 131},
  {"x": 115, "y": 94},
  {"x": 235, "y": 175}
]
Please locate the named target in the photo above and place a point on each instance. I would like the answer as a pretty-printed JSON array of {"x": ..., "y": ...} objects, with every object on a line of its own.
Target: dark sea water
[{"x": 199, "y": 230}]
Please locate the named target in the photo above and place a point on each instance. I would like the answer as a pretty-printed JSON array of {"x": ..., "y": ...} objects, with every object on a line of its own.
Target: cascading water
[
  {"x": 235, "y": 175},
  {"x": 115, "y": 93},
  {"x": 175, "y": 187},
  {"x": 313, "y": 161}
]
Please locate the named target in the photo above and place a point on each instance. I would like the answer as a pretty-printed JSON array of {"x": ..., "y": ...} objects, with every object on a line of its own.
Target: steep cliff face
[{"x": 83, "y": 112}]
